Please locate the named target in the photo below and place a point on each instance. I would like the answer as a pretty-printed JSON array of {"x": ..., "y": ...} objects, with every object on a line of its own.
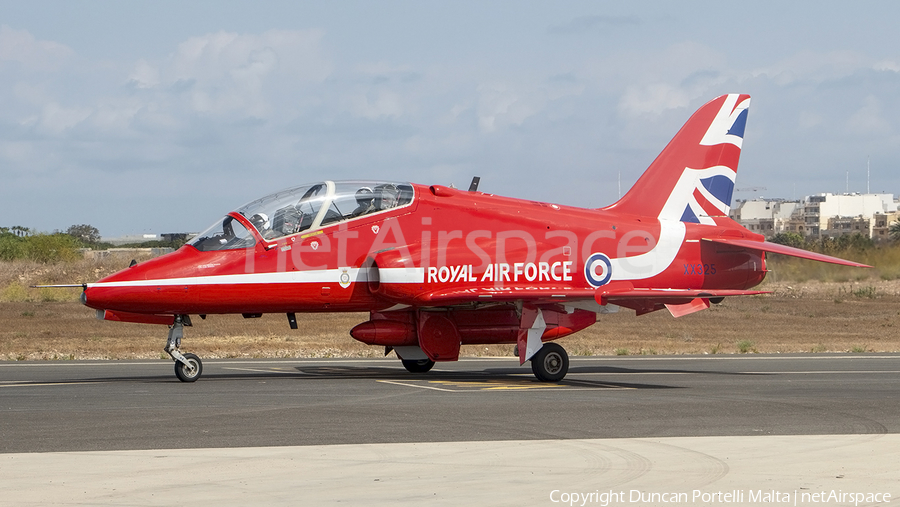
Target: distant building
[
  {"x": 820, "y": 208},
  {"x": 177, "y": 236},
  {"x": 131, "y": 239},
  {"x": 820, "y": 215},
  {"x": 764, "y": 216},
  {"x": 882, "y": 224},
  {"x": 136, "y": 239}
]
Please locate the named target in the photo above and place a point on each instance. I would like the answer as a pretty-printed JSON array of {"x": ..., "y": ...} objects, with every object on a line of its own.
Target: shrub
[{"x": 44, "y": 248}]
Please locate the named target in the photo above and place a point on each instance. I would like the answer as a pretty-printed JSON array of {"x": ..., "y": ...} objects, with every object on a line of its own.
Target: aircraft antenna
[{"x": 474, "y": 185}]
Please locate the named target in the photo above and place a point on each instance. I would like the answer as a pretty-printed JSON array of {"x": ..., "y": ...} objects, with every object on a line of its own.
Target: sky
[{"x": 152, "y": 117}]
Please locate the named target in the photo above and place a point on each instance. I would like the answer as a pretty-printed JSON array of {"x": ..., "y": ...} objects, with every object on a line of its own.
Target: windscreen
[{"x": 227, "y": 234}]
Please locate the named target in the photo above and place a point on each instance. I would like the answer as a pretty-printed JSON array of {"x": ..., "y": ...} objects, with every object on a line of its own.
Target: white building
[
  {"x": 819, "y": 215},
  {"x": 765, "y": 216},
  {"x": 819, "y": 208}
]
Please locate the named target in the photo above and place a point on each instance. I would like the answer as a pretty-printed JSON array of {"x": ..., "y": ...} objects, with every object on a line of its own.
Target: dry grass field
[{"x": 808, "y": 317}]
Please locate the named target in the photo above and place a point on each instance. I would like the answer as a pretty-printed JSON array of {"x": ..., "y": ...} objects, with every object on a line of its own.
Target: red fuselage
[{"x": 446, "y": 248}]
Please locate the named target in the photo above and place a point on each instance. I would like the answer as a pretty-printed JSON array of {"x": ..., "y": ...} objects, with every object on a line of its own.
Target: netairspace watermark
[{"x": 737, "y": 496}]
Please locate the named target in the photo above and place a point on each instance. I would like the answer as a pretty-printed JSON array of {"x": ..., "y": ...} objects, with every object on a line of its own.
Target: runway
[{"x": 340, "y": 430}]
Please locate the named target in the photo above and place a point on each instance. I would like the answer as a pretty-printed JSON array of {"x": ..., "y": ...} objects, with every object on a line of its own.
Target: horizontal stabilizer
[{"x": 765, "y": 246}]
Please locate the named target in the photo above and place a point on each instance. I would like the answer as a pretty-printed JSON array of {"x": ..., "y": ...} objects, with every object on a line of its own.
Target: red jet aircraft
[{"x": 438, "y": 267}]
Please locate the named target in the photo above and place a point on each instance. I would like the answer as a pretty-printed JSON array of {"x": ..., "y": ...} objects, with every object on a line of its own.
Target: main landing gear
[
  {"x": 417, "y": 365},
  {"x": 188, "y": 367},
  {"x": 550, "y": 363}
]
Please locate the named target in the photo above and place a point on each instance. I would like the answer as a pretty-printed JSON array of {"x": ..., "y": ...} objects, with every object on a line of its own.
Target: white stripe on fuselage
[
  {"x": 657, "y": 260},
  {"x": 386, "y": 275}
]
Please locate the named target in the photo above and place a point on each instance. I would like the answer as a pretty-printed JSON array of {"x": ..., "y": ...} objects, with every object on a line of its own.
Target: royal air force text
[{"x": 503, "y": 272}]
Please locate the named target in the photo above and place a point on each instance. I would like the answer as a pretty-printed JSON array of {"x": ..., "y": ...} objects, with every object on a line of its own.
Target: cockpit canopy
[{"x": 304, "y": 208}]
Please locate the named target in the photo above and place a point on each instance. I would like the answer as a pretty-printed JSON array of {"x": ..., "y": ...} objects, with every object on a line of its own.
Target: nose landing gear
[{"x": 188, "y": 367}]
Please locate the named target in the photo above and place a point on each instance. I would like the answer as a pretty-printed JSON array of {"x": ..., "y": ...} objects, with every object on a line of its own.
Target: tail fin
[{"x": 692, "y": 180}]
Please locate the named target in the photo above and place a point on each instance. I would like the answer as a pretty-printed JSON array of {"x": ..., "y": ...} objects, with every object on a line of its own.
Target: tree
[
  {"x": 789, "y": 239},
  {"x": 894, "y": 231},
  {"x": 84, "y": 233},
  {"x": 20, "y": 231}
]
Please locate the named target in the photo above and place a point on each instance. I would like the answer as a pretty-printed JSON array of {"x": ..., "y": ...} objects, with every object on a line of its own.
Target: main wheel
[
  {"x": 417, "y": 365},
  {"x": 189, "y": 374},
  {"x": 551, "y": 363}
]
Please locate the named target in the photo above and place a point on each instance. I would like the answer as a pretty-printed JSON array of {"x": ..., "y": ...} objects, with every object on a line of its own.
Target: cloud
[
  {"x": 23, "y": 48},
  {"x": 55, "y": 119},
  {"x": 815, "y": 67},
  {"x": 888, "y": 65},
  {"x": 144, "y": 75},
  {"x": 653, "y": 99},
  {"x": 229, "y": 115},
  {"x": 670, "y": 79},
  {"x": 235, "y": 75},
  {"x": 869, "y": 119},
  {"x": 582, "y": 24},
  {"x": 500, "y": 106}
]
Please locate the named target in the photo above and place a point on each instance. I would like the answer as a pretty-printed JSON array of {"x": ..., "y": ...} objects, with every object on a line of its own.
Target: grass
[
  {"x": 884, "y": 259},
  {"x": 745, "y": 346},
  {"x": 17, "y": 277},
  {"x": 865, "y": 292}
]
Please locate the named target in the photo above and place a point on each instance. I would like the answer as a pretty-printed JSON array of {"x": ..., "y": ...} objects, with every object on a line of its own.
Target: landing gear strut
[
  {"x": 188, "y": 367},
  {"x": 550, "y": 363}
]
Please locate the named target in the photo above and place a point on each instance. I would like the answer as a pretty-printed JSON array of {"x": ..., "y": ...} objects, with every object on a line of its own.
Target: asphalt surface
[{"x": 132, "y": 405}]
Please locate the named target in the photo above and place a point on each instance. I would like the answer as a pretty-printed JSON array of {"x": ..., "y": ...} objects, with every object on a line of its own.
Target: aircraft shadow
[
  {"x": 500, "y": 377},
  {"x": 490, "y": 379},
  {"x": 511, "y": 377},
  {"x": 613, "y": 369}
]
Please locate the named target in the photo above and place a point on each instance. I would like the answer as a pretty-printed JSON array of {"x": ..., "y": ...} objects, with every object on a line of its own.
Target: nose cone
[{"x": 160, "y": 285}]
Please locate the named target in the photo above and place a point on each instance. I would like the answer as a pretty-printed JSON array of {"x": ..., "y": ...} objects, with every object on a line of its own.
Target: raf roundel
[{"x": 597, "y": 269}]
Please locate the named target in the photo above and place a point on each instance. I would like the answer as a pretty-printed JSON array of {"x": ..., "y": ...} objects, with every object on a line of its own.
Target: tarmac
[
  {"x": 787, "y": 470},
  {"x": 715, "y": 430}
]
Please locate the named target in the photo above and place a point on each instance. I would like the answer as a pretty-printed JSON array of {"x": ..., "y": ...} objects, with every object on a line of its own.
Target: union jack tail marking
[{"x": 692, "y": 180}]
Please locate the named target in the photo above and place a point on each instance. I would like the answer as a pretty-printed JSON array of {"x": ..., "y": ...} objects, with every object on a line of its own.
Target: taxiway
[{"x": 366, "y": 431}]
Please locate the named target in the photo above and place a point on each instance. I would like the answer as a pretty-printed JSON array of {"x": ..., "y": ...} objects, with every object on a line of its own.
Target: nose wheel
[
  {"x": 188, "y": 367},
  {"x": 190, "y": 370}
]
